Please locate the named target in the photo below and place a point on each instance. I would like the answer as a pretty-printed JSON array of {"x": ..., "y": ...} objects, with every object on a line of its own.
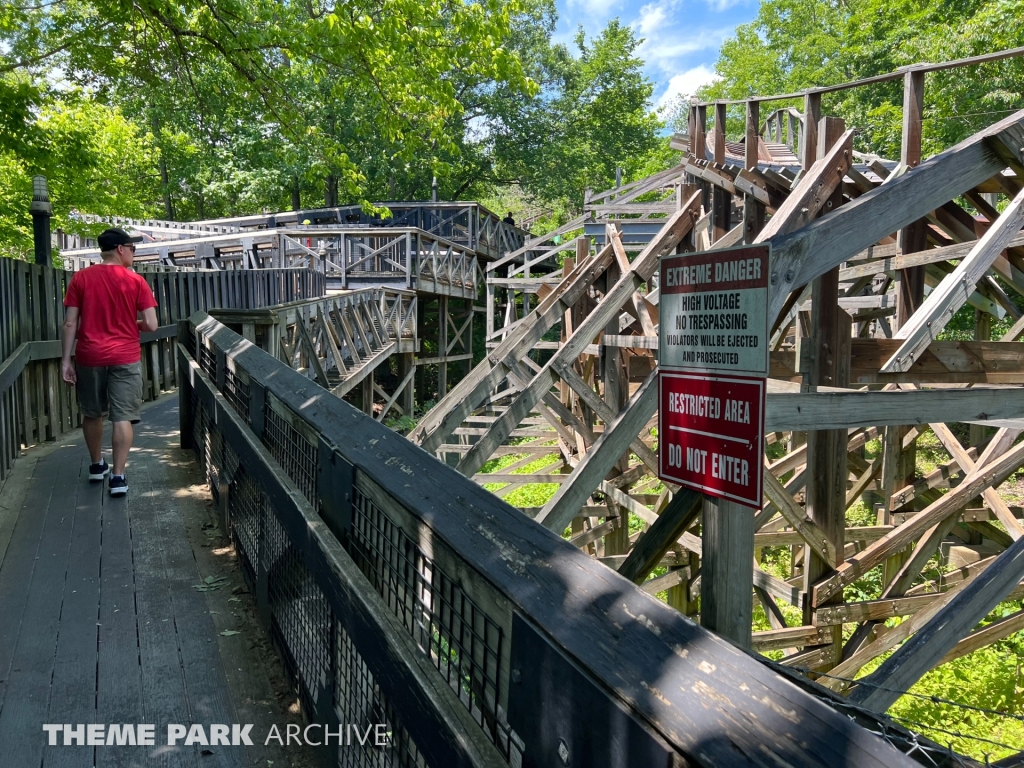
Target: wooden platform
[{"x": 106, "y": 615}]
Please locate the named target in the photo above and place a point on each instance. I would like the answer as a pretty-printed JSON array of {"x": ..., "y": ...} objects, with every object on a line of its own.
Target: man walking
[{"x": 102, "y": 304}]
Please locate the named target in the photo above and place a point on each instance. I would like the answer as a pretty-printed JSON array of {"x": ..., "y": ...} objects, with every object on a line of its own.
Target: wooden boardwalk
[{"x": 104, "y": 617}]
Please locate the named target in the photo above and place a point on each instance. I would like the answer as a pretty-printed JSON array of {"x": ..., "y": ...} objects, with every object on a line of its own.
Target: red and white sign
[
  {"x": 713, "y": 364},
  {"x": 710, "y": 434}
]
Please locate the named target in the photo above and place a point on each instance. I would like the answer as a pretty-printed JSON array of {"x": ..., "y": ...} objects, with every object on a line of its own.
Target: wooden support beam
[
  {"x": 997, "y": 630},
  {"x": 365, "y": 370},
  {"x": 775, "y": 639},
  {"x": 829, "y": 344},
  {"x": 799, "y": 520},
  {"x": 753, "y": 207},
  {"x": 602, "y": 456},
  {"x": 592, "y": 401},
  {"x": 721, "y": 198},
  {"x": 802, "y": 255},
  {"x": 787, "y": 411},
  {"x": 940, "y": 634},
  {"x": 993, "y": 362},
  {"x": 913, "y": 237},
  {"x": 812, "y": 192},
  {"x": 940, "y": 477},
  {"x": 809, "y": 140},
  {"x": 999, "y": 444},
  {"x": 652, "y": 545},
  {"x": 890, "y": 262},
  {"x": 856, "y": 566},
  {"x": 725, "y": 589},
  {"x": 955, "y": 289}
]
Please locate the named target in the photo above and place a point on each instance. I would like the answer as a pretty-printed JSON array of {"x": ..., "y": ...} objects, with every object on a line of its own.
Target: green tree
[
  {"x": 793, "y": 45},
  {"x": 592, "y": 116},
  {"x": 95, "y": 160},
  {"x": 395, "y": 64}
]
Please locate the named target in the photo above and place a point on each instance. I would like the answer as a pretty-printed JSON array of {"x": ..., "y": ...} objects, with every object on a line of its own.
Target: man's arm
[
  {"x": 148, "y": 321},
  {"x": 70, "y": 331}
]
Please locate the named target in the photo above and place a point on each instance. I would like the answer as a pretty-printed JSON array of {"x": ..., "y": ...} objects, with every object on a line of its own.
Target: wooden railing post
[
  {"x": 721, "y": 199},
  {"x": 826, "y": 449},
  {"x": 911, "y": 239},
  {"x": 753, "y": 211}
]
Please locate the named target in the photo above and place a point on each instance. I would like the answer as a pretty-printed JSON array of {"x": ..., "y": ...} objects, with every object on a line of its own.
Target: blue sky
[{"x": 681, "y": 37}]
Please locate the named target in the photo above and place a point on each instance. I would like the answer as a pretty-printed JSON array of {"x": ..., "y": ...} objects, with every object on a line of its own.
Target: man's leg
[
  {"x": 124, "y": 390},
  {"x": 92, "y": 428},
  {"x": 92, "y": 398},
  {"x": 122, "y": 440}
]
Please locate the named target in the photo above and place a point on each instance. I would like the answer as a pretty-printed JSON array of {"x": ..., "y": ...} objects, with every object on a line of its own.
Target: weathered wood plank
[
  {"x": 802, "y": 255},
  {"x": 786, "y": 411},
  {"x": 927, "y": 322},
  {"x": 940, "y": 634},
  {"x": 652, "y": 545}
]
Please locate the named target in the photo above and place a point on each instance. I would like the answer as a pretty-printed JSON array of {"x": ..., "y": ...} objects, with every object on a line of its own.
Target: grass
[
  {"x": 531, "y": 494},
  {"x": 990, "y": 678}
]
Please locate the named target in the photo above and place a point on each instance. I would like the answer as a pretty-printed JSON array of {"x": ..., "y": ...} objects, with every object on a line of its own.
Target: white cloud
[
  {"x": 652, "y": 16},
  {"x": 595, "y": 8},
  {"x": 723, "y": 5},
  {"x": 669, "y": 37},
  {"x": 686, "y": 84}
]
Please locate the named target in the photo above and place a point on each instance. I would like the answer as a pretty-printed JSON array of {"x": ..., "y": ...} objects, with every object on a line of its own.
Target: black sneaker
[
  {"x": 118, "y": 485},
  {"x": 98, "y": 471}
]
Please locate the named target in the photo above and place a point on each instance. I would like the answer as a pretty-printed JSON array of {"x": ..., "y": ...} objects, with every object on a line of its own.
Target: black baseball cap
[{"x": 111, "y": 238}]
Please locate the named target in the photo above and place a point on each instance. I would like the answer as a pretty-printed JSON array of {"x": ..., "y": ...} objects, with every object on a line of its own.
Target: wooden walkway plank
[
  {"x": 31, "y": 660},
  {"x": 164, "y": 696},
  {"x": 208, "y": 697},
  {"x": 100, "y": 621},
  {"x": 118, "y": 674},
  {"x": 73, "y": 690}
]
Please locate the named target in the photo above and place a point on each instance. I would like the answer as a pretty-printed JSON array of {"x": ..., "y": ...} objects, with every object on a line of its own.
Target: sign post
[{"x": 713, "y": 370}]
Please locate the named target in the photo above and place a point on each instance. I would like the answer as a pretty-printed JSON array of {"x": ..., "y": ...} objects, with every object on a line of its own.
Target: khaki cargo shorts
[{"x": 114, "y": 389}]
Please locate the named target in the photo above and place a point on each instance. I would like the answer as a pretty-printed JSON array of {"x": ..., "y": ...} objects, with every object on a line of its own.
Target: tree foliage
[
  {"x": 793, "y": 45},
  {"x": 245, "y": 105}
]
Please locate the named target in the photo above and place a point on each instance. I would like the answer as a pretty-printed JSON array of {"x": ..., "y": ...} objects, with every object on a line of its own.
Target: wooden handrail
[{"x": 897, "y": 74}]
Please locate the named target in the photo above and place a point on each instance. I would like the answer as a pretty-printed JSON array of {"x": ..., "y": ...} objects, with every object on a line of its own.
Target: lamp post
[{"x": 41, "y": 211}]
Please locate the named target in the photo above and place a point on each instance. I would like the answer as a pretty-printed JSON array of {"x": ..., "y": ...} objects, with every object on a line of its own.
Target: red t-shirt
[{"x": 109, "y": 298}]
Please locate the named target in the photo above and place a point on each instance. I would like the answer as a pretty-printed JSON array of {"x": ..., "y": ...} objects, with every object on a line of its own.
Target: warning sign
[
  {"x": 710, "y": 434},
  {"x": 714, "y": 311}
]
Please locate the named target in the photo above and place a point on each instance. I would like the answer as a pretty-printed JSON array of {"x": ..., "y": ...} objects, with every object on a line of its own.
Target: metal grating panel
[
  {"x": 464, "y": 644},
  {"x": 236, "y": 392},
  {"x": 198, "y": 430},
  {"x": 247, "y": 506},
  {"x": 299, "y": 611},
  {"x": 296, "y": 455},
  {"x": 207, "y": 362},
  {"x": 190, "y": 343},
  {"x": 461, "y": 639},
  {"x": 360, "y": 701}
]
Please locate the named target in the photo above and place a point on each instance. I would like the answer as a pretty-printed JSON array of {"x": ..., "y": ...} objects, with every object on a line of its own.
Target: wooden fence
[{"x": 36, "y": 405}]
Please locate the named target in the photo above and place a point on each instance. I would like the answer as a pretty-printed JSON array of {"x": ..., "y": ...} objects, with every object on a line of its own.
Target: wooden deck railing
[
  {"x": 401, "y": 591},
  {"x": 35, "y": 403}
]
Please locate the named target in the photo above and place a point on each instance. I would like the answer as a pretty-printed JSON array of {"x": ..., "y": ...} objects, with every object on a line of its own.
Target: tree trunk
[
  {"x": 331, "y": 191},
  {"x": 165, "y": 185}
]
